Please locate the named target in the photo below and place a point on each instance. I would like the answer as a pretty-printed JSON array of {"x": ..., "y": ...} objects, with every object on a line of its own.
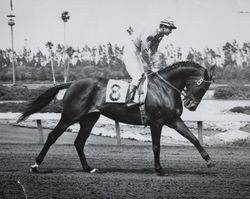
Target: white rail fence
[{"x": 198, "y": 119}]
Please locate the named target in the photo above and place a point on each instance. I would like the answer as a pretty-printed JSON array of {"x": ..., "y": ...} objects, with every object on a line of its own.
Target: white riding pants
[{"x": 133, "y": 62}]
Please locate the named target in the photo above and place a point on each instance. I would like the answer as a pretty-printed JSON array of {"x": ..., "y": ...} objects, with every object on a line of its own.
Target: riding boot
[{"x": 130, "y": 96}]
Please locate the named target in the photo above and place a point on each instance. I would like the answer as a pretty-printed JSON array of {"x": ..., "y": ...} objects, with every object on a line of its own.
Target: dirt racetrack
[{"x": 125, "y": 172}]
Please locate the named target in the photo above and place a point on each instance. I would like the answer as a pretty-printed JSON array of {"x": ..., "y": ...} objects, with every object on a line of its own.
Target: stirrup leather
[{"x": 130, "y": 96}]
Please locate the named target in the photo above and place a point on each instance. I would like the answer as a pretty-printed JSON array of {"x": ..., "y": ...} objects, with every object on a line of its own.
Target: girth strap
[
  {"x": 143, "y": 114},
  {"x": 142, "y": 106}
]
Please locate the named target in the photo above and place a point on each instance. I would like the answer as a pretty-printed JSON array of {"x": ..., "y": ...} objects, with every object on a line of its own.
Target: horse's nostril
[{"x": 192, "y": 108}]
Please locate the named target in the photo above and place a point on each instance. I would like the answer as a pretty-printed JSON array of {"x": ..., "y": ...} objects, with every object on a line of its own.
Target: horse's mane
[{"x": 182, "y": 64}]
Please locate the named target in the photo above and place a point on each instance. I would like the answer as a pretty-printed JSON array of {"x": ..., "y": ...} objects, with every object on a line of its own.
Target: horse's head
[{"x": 197, "y": 84}]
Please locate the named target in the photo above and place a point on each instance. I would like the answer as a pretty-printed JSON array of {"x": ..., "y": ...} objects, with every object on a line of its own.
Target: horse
[{"x": 84, "y": 102}]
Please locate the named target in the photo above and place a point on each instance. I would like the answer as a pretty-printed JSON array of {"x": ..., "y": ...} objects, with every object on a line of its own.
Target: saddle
[{"x": 116, "y": 92}]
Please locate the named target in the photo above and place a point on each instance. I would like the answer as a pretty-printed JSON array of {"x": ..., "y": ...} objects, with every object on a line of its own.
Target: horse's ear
[{"x": 211, "y": 71}]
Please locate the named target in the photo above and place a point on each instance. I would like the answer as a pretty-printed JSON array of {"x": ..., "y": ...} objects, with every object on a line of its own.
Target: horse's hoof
[
  {"x": 93, "y": 170},
  {"x": 210, "y": 164},
  {"x": 34, "y": 169},
  {"x": 159, "y": 171}
]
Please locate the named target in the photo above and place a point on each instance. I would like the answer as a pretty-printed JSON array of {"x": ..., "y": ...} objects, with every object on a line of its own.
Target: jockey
[{"x": 141, "y": 55}]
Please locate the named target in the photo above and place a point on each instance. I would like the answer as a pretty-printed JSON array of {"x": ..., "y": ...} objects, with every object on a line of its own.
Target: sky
[{"x": 200, "y": 23}]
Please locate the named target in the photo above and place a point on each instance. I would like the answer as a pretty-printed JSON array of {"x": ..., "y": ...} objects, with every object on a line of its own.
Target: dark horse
[{"x": 84, "y": 101}]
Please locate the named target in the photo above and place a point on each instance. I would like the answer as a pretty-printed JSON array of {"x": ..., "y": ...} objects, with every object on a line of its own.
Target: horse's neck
[{"x": 178, "y": 76}]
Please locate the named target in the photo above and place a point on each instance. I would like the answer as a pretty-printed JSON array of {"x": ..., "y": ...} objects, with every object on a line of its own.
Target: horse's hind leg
[
  {"x": 51, "y": 139},
  {"x": 86, "y": 125},
  {"x": 180, "y": 127}
]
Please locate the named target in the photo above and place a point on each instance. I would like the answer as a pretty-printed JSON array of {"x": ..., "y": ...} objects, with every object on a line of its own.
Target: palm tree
[
  {"x": 49, "y": 45},
  {"x": 65, "y": 17},
  {"x": 69, "y": 51}
]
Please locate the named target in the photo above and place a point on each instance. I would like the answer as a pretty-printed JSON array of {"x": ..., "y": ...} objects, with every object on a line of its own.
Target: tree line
[{"x": 232, "y": 59}]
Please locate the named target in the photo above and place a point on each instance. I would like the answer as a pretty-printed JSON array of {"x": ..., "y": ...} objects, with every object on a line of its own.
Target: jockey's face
[{"x": 166, "y": 30}]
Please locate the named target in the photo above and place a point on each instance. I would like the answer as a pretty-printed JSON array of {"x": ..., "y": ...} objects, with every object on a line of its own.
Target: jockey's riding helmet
[{"x": 167, "y": 23}]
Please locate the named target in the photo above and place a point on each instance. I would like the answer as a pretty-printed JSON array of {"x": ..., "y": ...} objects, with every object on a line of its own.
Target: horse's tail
[{"x": 43, "y": 100}]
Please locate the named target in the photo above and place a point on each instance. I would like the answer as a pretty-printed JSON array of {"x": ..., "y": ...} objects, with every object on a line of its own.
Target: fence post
[
  {"x": 200, "y": 137},
  {"x": 118, "y": 135},
  {"x": 40, "y": 131}
]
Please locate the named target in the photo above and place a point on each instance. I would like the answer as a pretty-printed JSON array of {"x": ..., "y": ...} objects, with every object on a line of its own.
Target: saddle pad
[{"x": 117, "y": 90}]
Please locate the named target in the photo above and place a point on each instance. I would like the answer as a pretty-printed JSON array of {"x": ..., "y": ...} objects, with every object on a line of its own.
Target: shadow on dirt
[
  {"x": 8, "y": 170},
  {"x": 190, "y": 172},
  {"x": 165, "y": 172},
  {"x": 152, "y": 171}
]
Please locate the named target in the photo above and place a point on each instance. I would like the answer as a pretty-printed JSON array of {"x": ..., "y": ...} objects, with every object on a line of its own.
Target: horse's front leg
[
  {"x": 180, "y": 127},
  {"x": 156, "y": 138}
]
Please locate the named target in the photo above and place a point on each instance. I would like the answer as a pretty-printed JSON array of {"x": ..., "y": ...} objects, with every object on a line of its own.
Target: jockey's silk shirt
[{"x": 147, "y": 44}]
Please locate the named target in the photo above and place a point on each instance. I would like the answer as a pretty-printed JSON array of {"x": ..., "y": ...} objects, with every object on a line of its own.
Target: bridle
[
  {"x": 184, "y": 94},
  {"x": 201, "y": 80}
]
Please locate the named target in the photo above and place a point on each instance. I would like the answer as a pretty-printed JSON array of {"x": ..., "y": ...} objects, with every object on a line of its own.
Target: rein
[
  {"x": 198, "y": 82},
  {"x": 166, "y": 82},
  {"x": 170, "y": 85}
]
